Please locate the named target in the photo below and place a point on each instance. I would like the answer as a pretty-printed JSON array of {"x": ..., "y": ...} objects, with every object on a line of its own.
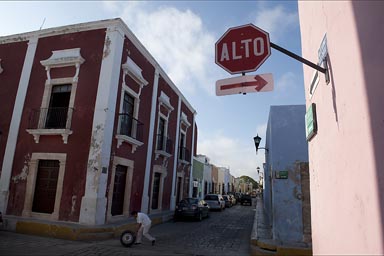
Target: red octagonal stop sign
[{"x": 242, "y": 49}]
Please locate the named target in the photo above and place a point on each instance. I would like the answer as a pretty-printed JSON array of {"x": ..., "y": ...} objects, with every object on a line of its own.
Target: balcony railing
[
  {"x": 164, "y": 144},
  {"x": 50, "y": 118},
  {"x": 184, "y": 154},
  {"x": 130, "y": 127}
]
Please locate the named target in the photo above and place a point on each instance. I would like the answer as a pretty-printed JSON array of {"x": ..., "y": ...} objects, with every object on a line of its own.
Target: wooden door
[
  {"x": 46, "y": 185},
  {"x": 119, "y": 190},
  {"x": 156, "y": 190}
]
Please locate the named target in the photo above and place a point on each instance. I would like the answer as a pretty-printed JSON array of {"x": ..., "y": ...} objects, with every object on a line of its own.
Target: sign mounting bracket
[{"x": 305, "y": 61}]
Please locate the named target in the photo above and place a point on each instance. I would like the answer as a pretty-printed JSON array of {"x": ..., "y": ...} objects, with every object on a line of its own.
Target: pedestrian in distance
[{"x": 144, "y": 225}]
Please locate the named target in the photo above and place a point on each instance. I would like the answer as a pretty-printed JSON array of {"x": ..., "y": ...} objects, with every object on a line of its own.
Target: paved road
[{"x": 224, "y": 233}]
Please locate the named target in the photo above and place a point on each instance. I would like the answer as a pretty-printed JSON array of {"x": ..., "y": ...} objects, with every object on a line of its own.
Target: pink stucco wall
[{"x": 346, "y": 156}]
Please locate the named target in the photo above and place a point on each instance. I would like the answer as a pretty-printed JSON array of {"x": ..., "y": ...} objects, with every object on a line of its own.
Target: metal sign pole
[{"x": 302, "y": 60}]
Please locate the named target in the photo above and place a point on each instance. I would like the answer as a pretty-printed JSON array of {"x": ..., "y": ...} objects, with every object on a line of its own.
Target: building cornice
[{"x": 102, "y": 24}]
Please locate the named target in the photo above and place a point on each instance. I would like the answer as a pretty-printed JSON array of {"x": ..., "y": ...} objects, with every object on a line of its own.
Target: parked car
[
  {"x": 228, "y": 201},
  {"x": 246, "y": 199},
  {"x": 193, "y": 208},
  {"x": 215, "y": 201},
  {"x": 233, "y": 199},
  {"x": 238, "y": 197}
]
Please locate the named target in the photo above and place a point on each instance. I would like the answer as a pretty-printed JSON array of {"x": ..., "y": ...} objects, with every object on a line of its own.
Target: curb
[
  {"x": 261, "y": 250},
  {"x": 75, "y": 231}
]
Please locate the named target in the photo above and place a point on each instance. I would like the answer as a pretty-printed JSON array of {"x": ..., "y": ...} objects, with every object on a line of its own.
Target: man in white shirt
[{"x": 144, "y": 226}]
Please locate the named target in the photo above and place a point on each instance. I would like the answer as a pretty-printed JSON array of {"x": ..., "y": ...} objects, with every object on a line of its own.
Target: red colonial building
[{"x": 91, "y": 126}]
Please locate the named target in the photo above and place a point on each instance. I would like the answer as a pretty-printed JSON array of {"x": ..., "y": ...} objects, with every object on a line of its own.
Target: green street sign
[
  {"x": 281, "y": 174},
  {"x": 310, "y": 122}
]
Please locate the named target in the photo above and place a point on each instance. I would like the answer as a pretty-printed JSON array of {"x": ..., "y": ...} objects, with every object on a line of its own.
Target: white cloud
[
  {"x": 176, "y": 39},
  {"x": 225, "y": 151},
  {"x": 261, "y": 129},
  {"x": 184, "y": 48},
  {"x": 276, "y": 21},
  {"x": 286, "y": 82}
]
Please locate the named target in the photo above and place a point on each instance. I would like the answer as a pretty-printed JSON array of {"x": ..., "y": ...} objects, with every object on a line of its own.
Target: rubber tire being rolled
[{"x": 127, "y": 238}]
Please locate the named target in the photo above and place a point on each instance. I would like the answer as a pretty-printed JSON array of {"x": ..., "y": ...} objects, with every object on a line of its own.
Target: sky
[{"x": 181, "y": 36}]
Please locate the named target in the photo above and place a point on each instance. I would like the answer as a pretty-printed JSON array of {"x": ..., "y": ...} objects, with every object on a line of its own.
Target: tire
[
  {"x": 127, "y": 238},
  {"x": 200, "y": 217}
]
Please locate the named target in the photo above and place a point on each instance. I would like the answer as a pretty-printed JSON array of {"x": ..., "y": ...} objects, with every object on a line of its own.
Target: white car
[{"x": 215, "y": 201}]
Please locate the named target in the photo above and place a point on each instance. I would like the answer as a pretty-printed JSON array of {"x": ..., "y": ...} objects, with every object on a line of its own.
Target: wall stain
[
  {"x": 22, "y": 176},
  {"x": 94, "y": 162},
  {"x": 74, "y": 198},
  {"x": 107, "y": 49}
]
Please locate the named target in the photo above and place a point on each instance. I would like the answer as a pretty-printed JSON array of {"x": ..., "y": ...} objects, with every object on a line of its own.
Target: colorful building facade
[
  {"x": 92, "y": 126},
  {"x": 346, "y": 152}
]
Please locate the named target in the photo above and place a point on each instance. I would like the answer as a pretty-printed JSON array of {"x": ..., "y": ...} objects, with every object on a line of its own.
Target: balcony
[
  {"x": 164, "y": 146},
  {"x": 50, "y": 121},
  {"x": 184, "y": 155},
  {"x": 130, "y": 131}
]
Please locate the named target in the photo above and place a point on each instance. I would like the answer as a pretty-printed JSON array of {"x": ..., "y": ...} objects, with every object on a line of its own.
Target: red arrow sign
[
  {"x": 244, "y": 84},
  {"x": 259, "y": 83}
]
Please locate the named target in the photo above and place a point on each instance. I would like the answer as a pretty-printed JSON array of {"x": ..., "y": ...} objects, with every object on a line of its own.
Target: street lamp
[
  {"x": 260, "y": 177},
  {"x": 257, "y": 140}
]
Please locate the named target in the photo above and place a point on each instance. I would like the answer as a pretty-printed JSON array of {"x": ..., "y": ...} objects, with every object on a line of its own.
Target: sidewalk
[
  {"x": 262, "y": 242},
  {"x": 75, "y": 231}
]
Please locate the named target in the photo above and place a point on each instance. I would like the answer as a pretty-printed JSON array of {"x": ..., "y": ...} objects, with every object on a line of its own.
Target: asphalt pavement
[{"x": 223, "y": 233}]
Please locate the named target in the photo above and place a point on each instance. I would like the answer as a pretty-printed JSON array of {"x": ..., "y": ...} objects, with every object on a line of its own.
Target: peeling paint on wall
[
  {"x": 94, "y": 162},
  {"x": 107, "y": 45},
  {"x": 96, "y": 145},
  {"x": 24, "y": 171},
  {"x": 14, "y": 39},
  {"x": 74, "y": 198}
]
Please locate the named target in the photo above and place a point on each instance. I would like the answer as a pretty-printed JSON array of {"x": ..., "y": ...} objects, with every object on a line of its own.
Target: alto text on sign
[{"x": 247, "y": 46}]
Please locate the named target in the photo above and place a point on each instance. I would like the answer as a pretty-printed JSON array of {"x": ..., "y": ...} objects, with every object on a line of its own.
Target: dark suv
[{"x": 246, "y": 199}]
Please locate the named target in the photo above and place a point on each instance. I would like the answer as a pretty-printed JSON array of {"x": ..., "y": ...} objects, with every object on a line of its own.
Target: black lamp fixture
[
  {"x": 258, "y": 169},
  {"x": 257, "y": 140}
]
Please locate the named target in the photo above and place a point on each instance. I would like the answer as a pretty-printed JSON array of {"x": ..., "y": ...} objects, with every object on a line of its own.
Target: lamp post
[
  {"x": 261, "y": 177},
  {"x": 257, "y": 140}
]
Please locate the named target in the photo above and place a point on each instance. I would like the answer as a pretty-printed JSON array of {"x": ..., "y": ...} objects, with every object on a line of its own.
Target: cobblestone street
[{"x": 223, "y": 233}]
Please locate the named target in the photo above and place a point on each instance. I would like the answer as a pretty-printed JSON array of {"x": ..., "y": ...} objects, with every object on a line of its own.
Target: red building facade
[{"x": 92, "y": 127}]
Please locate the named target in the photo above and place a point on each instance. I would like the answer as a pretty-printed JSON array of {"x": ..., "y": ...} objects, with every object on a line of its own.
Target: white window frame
[
  {"x": 135, "y": 72},
  {"x": 183, "y": 121},
  {"x": 58, "y": 59},
  {"x": 165, "y": 102}
]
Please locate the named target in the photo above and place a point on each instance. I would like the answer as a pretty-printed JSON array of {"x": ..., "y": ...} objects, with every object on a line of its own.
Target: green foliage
[{"x": 248, "y": 179}]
